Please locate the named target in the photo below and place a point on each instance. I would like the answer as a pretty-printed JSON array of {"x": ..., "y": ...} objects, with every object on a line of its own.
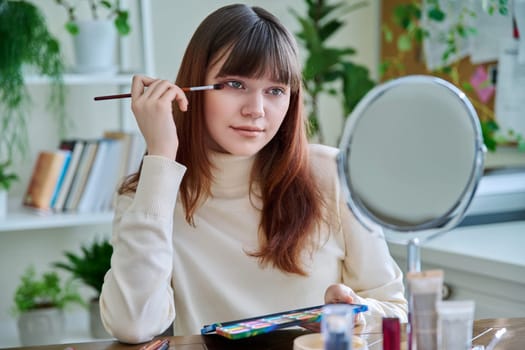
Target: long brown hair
[{"x": 257, "y": 44}]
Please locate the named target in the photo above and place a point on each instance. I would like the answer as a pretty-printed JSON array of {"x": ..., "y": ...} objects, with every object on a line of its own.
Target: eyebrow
[{"x": 242, "y": 77}]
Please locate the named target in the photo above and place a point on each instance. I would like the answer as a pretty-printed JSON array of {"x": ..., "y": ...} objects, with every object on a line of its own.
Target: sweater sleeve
[
  {"x": 370, "y": 270},
  {"x": 367, "y": 267},
  {"x": 137, "y": 301}
]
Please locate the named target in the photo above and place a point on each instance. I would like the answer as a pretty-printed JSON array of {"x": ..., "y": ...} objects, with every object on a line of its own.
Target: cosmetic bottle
[
  {"x": 455, "y": 323},
  {"x": 424, "y": 292},
  {"x": 391, "y": 333},
  {"x": 337, "y": 326}
]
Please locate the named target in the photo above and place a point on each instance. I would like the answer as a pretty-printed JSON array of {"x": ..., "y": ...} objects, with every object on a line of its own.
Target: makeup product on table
[
  {"x": 455, "y": 321},
  {"x": 185, "y": 89},
  {"x": 424, "y": 292},
  {"x": 391, "y": 333},
  {"x": 337, "y": 326},
  {"x": 250, "y": 327}
]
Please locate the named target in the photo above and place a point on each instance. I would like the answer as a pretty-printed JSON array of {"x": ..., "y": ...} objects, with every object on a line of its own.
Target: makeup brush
[{"x": 186, "y": 89}]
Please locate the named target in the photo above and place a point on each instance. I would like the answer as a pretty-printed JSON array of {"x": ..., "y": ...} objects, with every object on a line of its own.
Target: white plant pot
[
  {"x": 3, "y": 203},
  {"x": 95, "y": 321},
  {"x": 95, "y": 47},
  {"x": 41, "y": 327}
]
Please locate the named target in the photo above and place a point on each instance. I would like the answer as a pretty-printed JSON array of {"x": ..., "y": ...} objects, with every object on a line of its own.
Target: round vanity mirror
[{"x": 411, "y": 156}]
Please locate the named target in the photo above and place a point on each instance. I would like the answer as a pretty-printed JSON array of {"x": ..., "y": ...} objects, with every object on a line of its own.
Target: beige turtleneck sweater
[{"x": 164, "y": 269}]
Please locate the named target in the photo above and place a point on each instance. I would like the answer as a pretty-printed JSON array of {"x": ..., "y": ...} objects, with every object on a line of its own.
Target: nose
[{"x": 253, "y": 105}]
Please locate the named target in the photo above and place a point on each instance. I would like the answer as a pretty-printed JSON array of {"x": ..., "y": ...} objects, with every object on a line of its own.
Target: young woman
[{"x": 232, "y": 214}]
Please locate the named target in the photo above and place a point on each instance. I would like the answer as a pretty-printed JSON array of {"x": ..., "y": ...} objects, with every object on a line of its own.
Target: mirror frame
[{"x": 428, "y": 228}]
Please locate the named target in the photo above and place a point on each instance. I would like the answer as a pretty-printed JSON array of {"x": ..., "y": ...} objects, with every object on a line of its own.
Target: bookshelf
[
  {"x": 21, "y": 218},
  {"x": 31, "y": 236},
  {"x": 83, "y": 79}
]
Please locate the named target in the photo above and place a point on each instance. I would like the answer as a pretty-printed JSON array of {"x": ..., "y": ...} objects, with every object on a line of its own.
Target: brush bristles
[{"x": 205, "y": 87}]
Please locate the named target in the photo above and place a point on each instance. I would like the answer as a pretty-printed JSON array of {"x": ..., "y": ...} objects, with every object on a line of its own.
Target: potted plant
[
  {"x": 6, "y": 180},
  {"x": 90, "y": 268},
  {"x": 39, "y": 302},
  {"x": 26, "y": 44},
  {"x": 329, "y": 69},
  {"x": 95, "y": 38}
]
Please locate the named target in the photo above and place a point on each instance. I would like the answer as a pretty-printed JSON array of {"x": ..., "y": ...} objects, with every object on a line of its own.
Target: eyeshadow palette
[{"x": 249, "y": 327}]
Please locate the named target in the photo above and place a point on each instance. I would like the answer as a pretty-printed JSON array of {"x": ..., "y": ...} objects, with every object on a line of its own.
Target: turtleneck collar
[{"x": 231, "y": 174}]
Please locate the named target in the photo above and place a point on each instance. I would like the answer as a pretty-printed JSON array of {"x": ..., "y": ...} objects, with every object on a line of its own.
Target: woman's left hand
[
  {"x": 335, "y": 294},
  {"x": 339, "y": 293}
]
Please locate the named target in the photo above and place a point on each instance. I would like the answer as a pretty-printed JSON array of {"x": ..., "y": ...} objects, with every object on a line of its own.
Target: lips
[{"x": 247, "y": 130}]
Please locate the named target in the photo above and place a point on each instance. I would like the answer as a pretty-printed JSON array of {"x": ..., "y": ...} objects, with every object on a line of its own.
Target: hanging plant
[{"x": 26, "y": 42}]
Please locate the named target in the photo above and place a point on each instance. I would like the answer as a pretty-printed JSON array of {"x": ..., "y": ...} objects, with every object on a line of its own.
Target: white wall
[{"x": 173, "y": 24}]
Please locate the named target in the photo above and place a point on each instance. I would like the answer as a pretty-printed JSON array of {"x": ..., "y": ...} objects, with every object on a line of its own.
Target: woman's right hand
[{"x": 152, "y": 106}]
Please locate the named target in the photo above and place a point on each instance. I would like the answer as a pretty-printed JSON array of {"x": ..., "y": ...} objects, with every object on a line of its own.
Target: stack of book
[{"x": 83, "y": 175}]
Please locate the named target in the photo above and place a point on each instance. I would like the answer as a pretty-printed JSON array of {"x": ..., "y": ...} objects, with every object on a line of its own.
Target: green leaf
[
  {"x": 309, "y": 35},
  {"x": 404, "y": 43},
  {"x": 320, "y": 63},
  {"x": 356, "y": 83},
  {"x": 406, "y": 14},
  {"x": 318, "y": 10},
  {"x": 329, "y": 29},
  {"x": 488, "y": 130},
  {"x": 467, "y": 86},
  {"x": 446, "y": 70},
  {"x": 122, "y": 23},
  {"x": 6, "y": 178},
  {"x": 384, "y": 67},
  {"x": 105, "y": 4},
  {"x": 461, "y": 31},
  {"x": 72, "y": 28},
  {"x": 436, "y": 14}
]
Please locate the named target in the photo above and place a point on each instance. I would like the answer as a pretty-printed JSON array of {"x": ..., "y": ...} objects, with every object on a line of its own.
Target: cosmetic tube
[
  {"x": 424, "y": 292},
  {"x": 455, "y": 322}
]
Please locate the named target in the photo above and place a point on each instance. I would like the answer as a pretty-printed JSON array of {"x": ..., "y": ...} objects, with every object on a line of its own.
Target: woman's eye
[
  {"x": 277, "y": 91},
  {"x": 235, "y": 84}
]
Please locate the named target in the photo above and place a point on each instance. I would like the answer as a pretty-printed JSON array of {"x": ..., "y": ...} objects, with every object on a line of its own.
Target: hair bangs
[{"x": 264, "y": 51}]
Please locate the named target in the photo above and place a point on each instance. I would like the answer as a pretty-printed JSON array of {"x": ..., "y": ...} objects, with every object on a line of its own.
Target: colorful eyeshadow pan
[{"x": 263, "y": 324}]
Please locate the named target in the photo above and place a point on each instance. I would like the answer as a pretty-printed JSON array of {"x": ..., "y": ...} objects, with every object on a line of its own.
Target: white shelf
[
  {"x": 20, "y": 218},
  {"x": 85, "y": 79}
]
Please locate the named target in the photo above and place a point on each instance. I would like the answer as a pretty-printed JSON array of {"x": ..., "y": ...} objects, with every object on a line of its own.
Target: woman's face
[{"x": 246, "y": 114}]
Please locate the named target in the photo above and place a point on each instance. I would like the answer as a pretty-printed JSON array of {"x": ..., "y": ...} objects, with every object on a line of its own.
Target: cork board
[{"x": 413, "y": 62}]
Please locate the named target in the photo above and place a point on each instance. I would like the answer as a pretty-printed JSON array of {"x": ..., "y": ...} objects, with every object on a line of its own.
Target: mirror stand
[{"x": 414, "y": 255}]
